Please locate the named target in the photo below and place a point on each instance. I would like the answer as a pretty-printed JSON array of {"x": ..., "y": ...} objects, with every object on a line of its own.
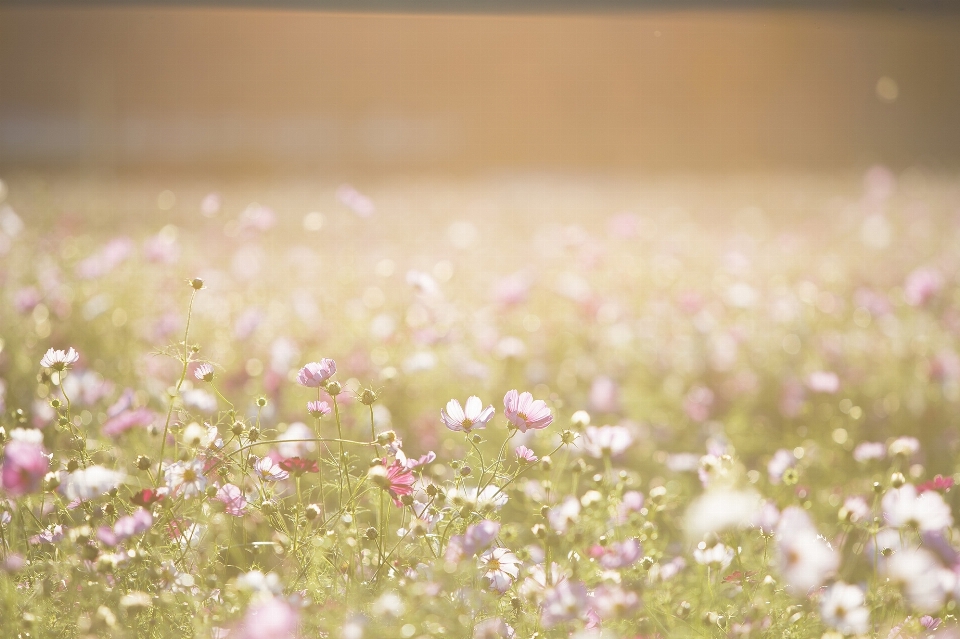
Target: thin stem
[{"x": 183, "y": 376}]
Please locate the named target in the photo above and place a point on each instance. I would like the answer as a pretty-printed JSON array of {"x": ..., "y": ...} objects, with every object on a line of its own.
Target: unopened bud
[
  {"x": 311, "y": 512},
  {"x": 367, "y": 397},
  {"x": 897, "y": 480},
  {"x": 196, "y": 283},
  {"x": 143, "y": 462},
  {"x": 333, "y": 388}
]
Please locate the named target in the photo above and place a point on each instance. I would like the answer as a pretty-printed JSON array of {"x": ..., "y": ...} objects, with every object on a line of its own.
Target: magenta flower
[
  {"x": 465, "y": 419},
  {"x": 318, "y": 408},
  {"x": 395, "y": 479},
  {"x": 524, "y": 412},
  {"x": 24, "y": 466},
  {"x": 315, "y": 374},
  {"x": 299, "y": 465},
  {"x": 58, "y": 359}
]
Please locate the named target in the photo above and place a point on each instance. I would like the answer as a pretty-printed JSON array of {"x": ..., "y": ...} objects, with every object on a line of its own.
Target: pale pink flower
[
  {"x": 127, "y": 526},
  {"x": 186, "y": 478},
  {"x": 866, "y": 451},
  {"x": 698, "y": 403},
  {"x": 204, "y": 372},
  {"x": 24, "y": 466},
  {"x": 613, "y": 601},
  {"x": 806, "y": 559},
  {"x": 272, "y": 618},
  {"x": 823, "y": 382},
  {"x": 782, "y": 460},
  {"x": 355, "y": 200},
  {"x": 493, "y": 628},
  {"x": 127, "y": 419},
  {"x": 318, "y": 408},
  {"x": 564, "y": 602},
  {"x": 616, "y": 554},
  {"x": 233, "y": 500},
  {"x": 473, "y": 415},
  {"x": 58, "y": 359},
  {"x": 606, "y": 440},
  {"x": 564, "y": 514},
  {"x": 525, "y": 454},
  {"x": 315, "y": 374},
  {"x": 604, "y": 395},
  {"x": 923, "y": 579},
  {"x": 524, "y": 412},
  {"x": 921, "y": 285},
  {"x": 267, "y": 470}
]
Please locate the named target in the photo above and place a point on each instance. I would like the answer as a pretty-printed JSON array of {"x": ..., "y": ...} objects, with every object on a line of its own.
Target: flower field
[{"x": 520, "y": 406}]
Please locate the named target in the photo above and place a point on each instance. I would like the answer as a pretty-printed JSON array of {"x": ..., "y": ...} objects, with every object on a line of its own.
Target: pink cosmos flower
[
  {"x": 524, "y": 412},
  {"x": 126, "y": 420},
  {"x": 139, "y": 522},
  {"x": 204, "y": 372},
  {"x": 395, "y": 479},
  {"x": 904, "y": 507},
  {"x": 58, "y": 359},
  {"x": 525, "y": 454},
  {"x": 606, "y": 440},
  {"x": 318, "y": 408},
  {"x": 465, "y": 419},
  {"x": 477, "y": 537},
  {"x": 24, "y": 466},
  {"x": 267, "y": 470},
  {"x": 565, "y": 601},
  {"x": 617, "y": 554},
  {"x": 315, "y": 374},
  {"x": 921, "y": 285},
  {"x": 233, "y": 499},
  {"x": 273, "y": 618}
]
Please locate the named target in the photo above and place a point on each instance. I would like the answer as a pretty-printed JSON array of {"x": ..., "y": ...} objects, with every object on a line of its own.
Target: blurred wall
[{"x": 697, "y": 89}]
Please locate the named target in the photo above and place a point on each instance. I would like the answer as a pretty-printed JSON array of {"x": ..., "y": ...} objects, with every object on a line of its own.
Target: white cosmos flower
[
  {"x": 186, "y": 478},
  {"x": 564, "y": 514},
  {"x": 720, "y": 509},
  {"x": 842, "y": 607},
  {"x": 90, "y": 483},
  {"x": 903, "y": 507},
  {"x": 472, "y": 415},
  {"x": 58, "y": 359},
  {"x": 806, "y": 559},
  {"x": 716, "y": 556},
  {"x": 501, "y": 567},
  {"x": 924, "y": 580}
]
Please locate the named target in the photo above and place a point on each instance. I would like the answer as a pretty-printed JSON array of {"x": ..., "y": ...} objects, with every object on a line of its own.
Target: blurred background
[{"x": 725, "y": 88}]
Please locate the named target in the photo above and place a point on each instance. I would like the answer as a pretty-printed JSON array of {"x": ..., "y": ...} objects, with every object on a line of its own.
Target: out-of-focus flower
[
  {"x": 493, "y": 628},
  {"x": 806, "y": 559},
  {"x": 939, "y": 483},
  {"x": 698, "y": 403},
  {"x": 922, "y": 285},
  {"x": 472, "y": 415},
  {"x": 717, "y": 556},
  {"x": 842, "y": 607},
  {"x": 823, "y": 382},
  {"x": 90, "y": 483},
  {"x": 233, "y": 499},
  {"x": 604, "y": 395},
  {"x": 905, "y": 446},
  {"x": 355, "y": 200},
  {"x": 720, "y": 509},
  {"x": 127, "y": 419},
  {"x": 866, "y": 451},
  {"x": 524, "y": 412},
  {"x": 315, "y": 374},
  {"x": 563, "y": 602},
  {"x": 501, "y": 567},
  {"x": 296, "y": 441},
  {"x": 565, "y": 514},
  {"x": 606, "y": 440},
  {"x": 782, "y": 460},
  {"x": 59, "y": 360},
  {"x": 616, "y": 554},
  {"x": 271, "y": 617},
  {"x": 924, "y": 581},
  {"x": 904, "y": 507},
  {"x": 298, "y": 465},
  {"x": 147, "y": 497},
  {"x": 127, "y": 526}
]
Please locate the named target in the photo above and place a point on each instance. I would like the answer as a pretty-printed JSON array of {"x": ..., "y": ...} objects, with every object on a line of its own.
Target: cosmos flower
[
  {"x": 127, "y": 526},
  {"x": 59, "y": 360},
  {"x": 315, "y": 374},
  {"x": 904, "y": 507},
  {"x": 147, "y": 497},
  {"x": 268, "y": 470},
  {"x": 716, "y": 556},
  {"x": 606, "y": 440},
  {"x": 395, "y": 479},
  {"x": 299, "y": 465},
  {"x": 524, "y": 412},
  {"x": 923, "y": 579},
  {"x": 525, "y": 454},
  {"x": 842, "y": 607},
  {"x": 318, "y": 408},
  {"x": 233, "y": 500},
  {"x": 204, "y": 372},
  {"x": 474, "y": 415},
  {"x": 501, "y": 567},
  {"x": 616, "y": 554},
  {"x": 186, "y": 478},
  {"x": 563, "y": 602},
  {"x": 24, "y": 466},
  {"x": 90, "y": 483},
  {"x": 806, "y": 559}
]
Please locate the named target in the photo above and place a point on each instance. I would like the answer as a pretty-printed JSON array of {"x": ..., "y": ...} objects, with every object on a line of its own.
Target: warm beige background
[{"x": 688, "y": 90}]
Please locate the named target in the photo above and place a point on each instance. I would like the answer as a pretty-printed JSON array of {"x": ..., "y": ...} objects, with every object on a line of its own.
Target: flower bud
[
  {"x": 51, "y": 482},
  {"x": 897, "y": 480},
  {"x": 253, "y": 435},
  {"x": 261, "y": 401},
  {"x": 333, "y": 388},
  {"x": 311, "y": 512},
  {"x": 196, "y": 283},
  {"x": 368, "y": 397},
  {"x": 237, "y": 429},
  {"x": 143, "y": 462},
  {"x": 406, "y": 500},
  {"x": 72, "y": 465},
  {"x": 546, "y": 463},
  {"x": 371, "y": 533}
]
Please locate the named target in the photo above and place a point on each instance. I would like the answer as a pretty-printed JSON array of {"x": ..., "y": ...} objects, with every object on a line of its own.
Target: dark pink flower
[
  {"x": 395, "y": 479},
  {"x": 24, "y": 466},
  {"x": 299, "y": 465}
]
